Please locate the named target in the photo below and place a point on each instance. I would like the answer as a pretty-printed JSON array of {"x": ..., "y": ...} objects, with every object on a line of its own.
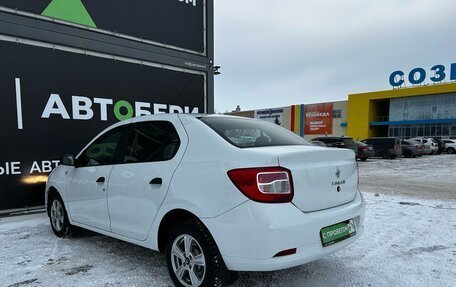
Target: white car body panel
[
  {"x": 251, "y": 234},
  {"x": 132, "y": 201},
  {"x": 247, "y": 233},
  {"x": 86, "y": 198},
  {"x": 309, "y": 165}
]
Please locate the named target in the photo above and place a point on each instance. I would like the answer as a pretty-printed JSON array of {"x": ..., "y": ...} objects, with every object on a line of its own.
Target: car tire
[
  {"x": 408, "y": 154},
  {"x": 58, "y": 217},
  {"x": 393, "y": 156},
  {"x": 364, "y": 158},
  {"x": 193, "y": 258},
  {"x": 450, "y": 150},
  {"x": 386, "y": 155}
]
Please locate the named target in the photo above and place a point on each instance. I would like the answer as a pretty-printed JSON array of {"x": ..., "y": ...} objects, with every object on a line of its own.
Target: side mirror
[{"x": 68, "y": 160}]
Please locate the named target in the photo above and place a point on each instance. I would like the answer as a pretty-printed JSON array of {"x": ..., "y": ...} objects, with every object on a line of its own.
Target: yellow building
[{"x": 428, "y": 111}]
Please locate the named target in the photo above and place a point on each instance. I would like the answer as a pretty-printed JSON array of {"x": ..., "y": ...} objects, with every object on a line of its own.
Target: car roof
[
  {"x": 146, "y": 118},
  {"x": 317, "y": 138}
]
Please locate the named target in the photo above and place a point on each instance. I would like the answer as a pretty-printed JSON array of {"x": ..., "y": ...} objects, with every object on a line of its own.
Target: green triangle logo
[{"x": 69, "y": 10}]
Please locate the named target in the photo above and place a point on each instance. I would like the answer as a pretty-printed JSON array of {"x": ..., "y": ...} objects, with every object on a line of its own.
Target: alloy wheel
[
  {"x": 57, "y": 215},
  {"x": 188, "y": 261}
]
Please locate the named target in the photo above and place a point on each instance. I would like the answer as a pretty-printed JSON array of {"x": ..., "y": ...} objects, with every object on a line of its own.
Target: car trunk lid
[{"x": 322, "y": 177}]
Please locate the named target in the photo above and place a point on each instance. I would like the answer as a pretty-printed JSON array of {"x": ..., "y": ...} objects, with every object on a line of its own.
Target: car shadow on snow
[
  {"x": 311, "y": 274},
  {"x": 136, "y": 261}
]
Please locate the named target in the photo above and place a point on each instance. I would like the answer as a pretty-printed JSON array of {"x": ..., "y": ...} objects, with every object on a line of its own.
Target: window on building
[{"x": 337, "y": 114}]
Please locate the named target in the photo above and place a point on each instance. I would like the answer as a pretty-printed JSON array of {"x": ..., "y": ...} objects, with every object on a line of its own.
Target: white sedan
[
  {"x": 217, "y": 194},
  {"x": 450, "y": 146}
]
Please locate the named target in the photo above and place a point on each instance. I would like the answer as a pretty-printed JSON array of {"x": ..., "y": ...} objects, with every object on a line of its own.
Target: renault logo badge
[{"x": 337, "y": 172}]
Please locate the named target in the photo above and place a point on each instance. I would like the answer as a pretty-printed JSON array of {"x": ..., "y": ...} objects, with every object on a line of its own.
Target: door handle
[
  {"x": 156, "y": 180},
  {"x": 101, "y": 180}
]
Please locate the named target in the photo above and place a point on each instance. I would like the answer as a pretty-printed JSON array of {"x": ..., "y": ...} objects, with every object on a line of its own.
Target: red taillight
[
  {"x": 394, "y": 147},
  {"x": 264, "y": 184},
  {"x": 363, "y": 148}
]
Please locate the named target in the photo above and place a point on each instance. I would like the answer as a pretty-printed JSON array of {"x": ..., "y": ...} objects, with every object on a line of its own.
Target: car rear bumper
[
  {"x": 366, "y": 154},
  {"x": 250, "y": 235}
]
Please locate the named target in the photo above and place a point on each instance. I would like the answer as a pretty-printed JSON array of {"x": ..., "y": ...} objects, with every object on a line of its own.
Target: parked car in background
[
  {"x": 440, "y": 145},
  {"x": 365, "y": 151},
  {"x": 450, "y": 146},
  {"x": 385, "y": 147},
  {"x": 429, "y": 145},
  {"x": 338, "y": 142},
  {"x": 411, "y": 148},
  {"x": 427, "y": 149},
  {"x": 214, "y": 204},
  {"x": 318, "y": 143}
]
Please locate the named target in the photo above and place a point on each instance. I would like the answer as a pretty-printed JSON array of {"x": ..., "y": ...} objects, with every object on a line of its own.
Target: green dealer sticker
[{"x": 337, "y": 232}]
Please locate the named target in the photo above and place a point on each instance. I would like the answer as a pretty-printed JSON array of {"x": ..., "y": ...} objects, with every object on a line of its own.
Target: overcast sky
[{"x": 281, "y": 52}]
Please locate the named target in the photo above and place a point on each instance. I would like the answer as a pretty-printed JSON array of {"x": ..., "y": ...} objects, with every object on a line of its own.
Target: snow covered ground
[
  {"x": 410, "y": 240},
  {"x": 431, "y": 177}
]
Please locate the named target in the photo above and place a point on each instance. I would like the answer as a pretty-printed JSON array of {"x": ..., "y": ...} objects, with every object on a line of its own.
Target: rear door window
[{"x": 152, "y": 141}]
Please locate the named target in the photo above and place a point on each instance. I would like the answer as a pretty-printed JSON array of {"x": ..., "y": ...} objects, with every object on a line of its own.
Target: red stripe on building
[{"x": 292, "y": 126}]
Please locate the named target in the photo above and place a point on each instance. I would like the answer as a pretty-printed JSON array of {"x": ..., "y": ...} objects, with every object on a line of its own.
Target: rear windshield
[
  {"x": 348, "y": 141},
  {"x": 245, "y": 133}
]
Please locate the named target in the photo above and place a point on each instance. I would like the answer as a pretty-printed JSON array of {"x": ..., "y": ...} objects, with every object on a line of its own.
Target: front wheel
[
  {"x": 58, "y": 217},
  {"x": 193, "y": 258}
]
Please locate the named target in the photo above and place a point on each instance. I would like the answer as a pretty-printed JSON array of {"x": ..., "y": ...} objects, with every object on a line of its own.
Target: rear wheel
[
  {"x": 193, "y": 258},
  {"x": 393, "y": 156},
  {"x": 363, "y": 158},
  {"x": 386, "y": 155},
  {"x": 58, "y": 217},
  {"x": 450, "y": 150},
  {"x": 408, "y": 154}
]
